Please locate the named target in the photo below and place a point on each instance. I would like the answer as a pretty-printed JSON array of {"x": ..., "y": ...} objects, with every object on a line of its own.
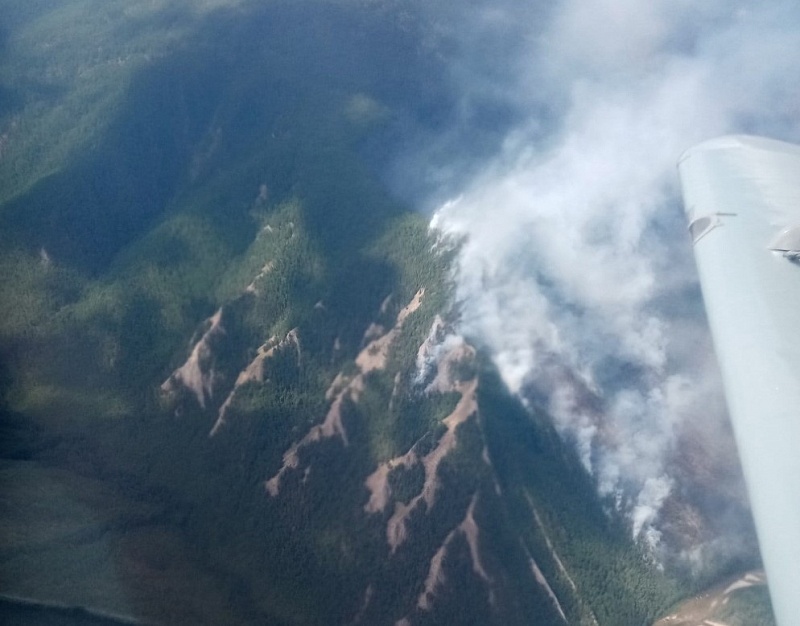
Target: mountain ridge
[{"x": 217, "y": 314}]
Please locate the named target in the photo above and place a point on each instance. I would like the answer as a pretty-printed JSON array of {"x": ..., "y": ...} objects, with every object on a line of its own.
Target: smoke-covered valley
[
  {"x": 242, "y": 378},
  {"x": 574, "y": 270}
]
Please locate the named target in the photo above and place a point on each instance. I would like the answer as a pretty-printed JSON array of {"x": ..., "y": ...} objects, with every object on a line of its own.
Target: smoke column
[{"x": 576, "y": 272}]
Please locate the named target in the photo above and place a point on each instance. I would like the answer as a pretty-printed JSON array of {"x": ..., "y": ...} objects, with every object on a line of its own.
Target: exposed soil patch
[{"x": 700, "y": 610}]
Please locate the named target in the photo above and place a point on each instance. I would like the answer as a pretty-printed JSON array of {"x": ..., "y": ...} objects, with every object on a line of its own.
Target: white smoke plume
[{"x": 576, "y": 272}]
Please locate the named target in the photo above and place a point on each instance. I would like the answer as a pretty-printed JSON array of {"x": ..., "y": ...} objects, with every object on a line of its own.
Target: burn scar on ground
[
  {"x": 436, "y": 577},
  {"x": 396, "y": 528},
  {"x": 254, "y": 372},
  {"x": 344, "y": 388},
  {"x": 197, "y": 373}
]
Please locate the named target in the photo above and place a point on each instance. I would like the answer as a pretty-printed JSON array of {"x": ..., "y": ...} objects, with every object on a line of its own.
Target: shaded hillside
[{"x": 231, "y": 389}]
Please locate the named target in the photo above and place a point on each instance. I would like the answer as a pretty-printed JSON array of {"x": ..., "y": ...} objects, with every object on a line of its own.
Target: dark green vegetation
[{"x": 164, "y": 164}]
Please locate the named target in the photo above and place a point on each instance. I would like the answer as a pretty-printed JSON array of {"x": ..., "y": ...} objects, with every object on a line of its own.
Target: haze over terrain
[
  {"x": 577, "y": 273},
  {"x": 369, "y": 311}
]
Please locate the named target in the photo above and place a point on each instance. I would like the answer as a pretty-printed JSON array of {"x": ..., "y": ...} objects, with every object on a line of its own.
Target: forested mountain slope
[{"x": 231, "y": 388}]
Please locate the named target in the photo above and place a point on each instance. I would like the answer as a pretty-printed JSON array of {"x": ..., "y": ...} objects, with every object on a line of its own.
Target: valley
[{"x": 233, "y": 386}]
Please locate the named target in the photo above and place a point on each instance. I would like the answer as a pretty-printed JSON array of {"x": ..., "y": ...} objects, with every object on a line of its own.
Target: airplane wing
[{"x": 742, "y": 197}]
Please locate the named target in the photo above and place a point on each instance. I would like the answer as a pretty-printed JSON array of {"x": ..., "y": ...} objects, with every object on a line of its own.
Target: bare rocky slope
[{"x": 233, "y": 390}]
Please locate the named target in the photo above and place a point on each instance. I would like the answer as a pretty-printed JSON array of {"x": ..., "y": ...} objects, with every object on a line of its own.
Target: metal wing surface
[{"x": 742, "y": 198}]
